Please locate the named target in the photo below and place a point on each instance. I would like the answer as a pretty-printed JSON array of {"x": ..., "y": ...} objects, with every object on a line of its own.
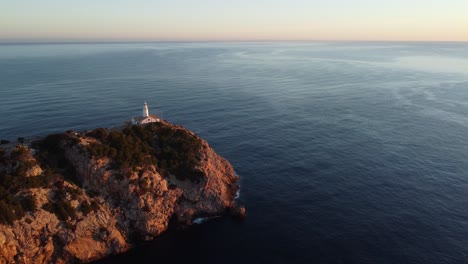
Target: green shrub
[
  {"x": 74, "y": 193},
  {"x": 8, "y": 215},
  {"x": 94, "y": 206},
  {"x": 126, "y": 150},
  {"x": 62, "y": 209},
  {"x": 28, "y": 203},
  {"x": 173, "y": 149},
  {"x": 74, "y": 141},
  {"x": 99, "y": 133},
  {"x": 19, "y": 153},
  {"x": 3, "y": 156},
  {"x": 11, "y": 210},
  {"x": 177, "y": 150},
  {"x": 52, "y": 155},
  {"x": 92, "y": 193},
  {"x": 49, "y": 207},
  {"x": 85, "y": 208},
  {"x": 34, "y": 182},
  {"x": 65, "y": 210}
]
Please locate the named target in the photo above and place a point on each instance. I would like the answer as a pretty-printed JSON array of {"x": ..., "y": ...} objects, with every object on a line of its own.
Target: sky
[{"x": 233, "y": 20}]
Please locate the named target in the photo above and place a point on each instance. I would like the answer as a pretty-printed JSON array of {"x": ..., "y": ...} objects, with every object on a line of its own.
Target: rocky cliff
[{"x": 78, "y": 197}]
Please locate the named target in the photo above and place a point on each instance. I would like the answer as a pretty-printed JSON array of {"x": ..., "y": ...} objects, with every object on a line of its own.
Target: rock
[
  {"x": 238, "y": 211},
  {"x": 35, "y": 170},
  {"x": 116, "y": 206},
  {"x": 8, "y": 249}
]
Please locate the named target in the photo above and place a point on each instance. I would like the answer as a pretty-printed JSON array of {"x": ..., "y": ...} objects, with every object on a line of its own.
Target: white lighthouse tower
[
  {"x": 145, "y": 110},
  {"x": 146, "y": 117}
]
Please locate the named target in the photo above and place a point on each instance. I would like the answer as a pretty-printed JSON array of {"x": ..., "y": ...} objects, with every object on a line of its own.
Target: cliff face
[{"x": 83, "y": 196}]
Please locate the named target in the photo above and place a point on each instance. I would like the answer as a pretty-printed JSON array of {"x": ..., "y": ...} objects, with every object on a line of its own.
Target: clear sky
[{"x": 193, "y": 20}]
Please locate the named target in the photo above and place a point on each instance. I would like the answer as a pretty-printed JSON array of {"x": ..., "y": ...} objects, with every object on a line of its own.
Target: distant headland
[{"x": 81, "y": 196}]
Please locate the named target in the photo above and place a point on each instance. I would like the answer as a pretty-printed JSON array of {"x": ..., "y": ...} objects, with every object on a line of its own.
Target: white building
[{"x": 146, "y": 118}]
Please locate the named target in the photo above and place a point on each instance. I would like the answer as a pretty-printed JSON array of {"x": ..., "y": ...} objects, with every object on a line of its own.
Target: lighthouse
[
  {"x": 145, "y": 110},
  {"x": 146, "y": 117}
]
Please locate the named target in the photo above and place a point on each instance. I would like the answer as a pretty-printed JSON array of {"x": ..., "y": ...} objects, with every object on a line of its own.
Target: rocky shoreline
[{"x": 82, "y": 196}]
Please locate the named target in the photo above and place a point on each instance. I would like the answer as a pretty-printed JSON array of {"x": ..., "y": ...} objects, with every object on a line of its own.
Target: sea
[{"x": 347, "y": 152}]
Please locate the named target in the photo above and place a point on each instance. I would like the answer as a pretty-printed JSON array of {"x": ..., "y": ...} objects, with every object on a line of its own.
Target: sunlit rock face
[{"x": 82, "y": 196}]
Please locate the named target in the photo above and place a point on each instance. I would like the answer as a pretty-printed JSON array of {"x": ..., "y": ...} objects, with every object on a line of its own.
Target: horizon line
[{"x": 98, "y": 41}]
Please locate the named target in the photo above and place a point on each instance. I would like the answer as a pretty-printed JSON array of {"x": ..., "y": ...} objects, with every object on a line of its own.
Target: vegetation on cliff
[
  {"x": 81, "y": 196},
  {"x": 172, "y": 149},
  {"x": 13, "y": 205}
]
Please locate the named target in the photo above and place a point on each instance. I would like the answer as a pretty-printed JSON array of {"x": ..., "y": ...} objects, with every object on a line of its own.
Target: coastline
[{"x": 127, "y": 205}]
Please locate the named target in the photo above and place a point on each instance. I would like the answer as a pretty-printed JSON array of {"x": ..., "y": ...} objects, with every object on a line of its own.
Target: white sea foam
[
  {"x": 238, "y": 190},
  {"x": 237, "y": 194},
  {"x": 201, "y": 220}
]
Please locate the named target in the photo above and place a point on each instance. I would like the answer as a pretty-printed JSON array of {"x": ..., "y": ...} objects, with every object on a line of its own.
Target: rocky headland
[{"x": 81, "y": 196}]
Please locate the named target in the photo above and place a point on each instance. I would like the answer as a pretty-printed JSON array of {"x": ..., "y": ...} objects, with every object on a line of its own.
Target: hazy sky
[{"x": 98, "y": 20}]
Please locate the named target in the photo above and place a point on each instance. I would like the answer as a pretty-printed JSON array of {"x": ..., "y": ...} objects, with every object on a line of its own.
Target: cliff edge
[{"x": 78, "y": 197}]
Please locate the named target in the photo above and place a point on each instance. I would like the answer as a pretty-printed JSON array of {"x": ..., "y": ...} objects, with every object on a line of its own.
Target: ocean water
[{"x": 347, "y": 152}]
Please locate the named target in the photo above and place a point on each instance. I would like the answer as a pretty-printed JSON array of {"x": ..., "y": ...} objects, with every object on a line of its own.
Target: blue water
[{"x": 347, "y": 152}]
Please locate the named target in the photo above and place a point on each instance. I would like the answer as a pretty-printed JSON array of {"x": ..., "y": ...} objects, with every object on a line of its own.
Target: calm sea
[{"x": 347, "y": 152}]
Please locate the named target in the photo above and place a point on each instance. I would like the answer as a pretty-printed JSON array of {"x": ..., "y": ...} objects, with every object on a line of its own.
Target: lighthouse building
[{"x": 145, "y": 118}]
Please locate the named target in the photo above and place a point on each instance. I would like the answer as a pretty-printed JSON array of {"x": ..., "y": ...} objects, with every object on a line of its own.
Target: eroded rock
[{"x": 91, "y": 205}]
